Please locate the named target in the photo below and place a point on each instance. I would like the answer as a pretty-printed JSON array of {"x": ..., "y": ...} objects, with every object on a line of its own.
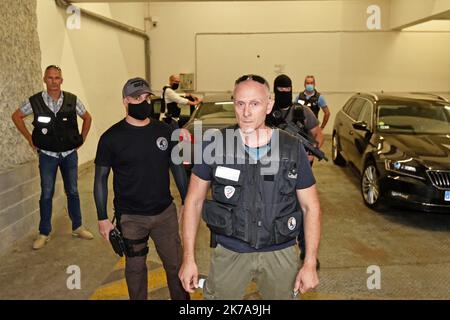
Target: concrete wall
[
  {"x": 219, "y": 41},
  {"x": 20, "y": 74}
]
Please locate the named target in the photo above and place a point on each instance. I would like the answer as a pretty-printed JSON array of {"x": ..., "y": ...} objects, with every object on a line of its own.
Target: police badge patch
[
  {"x": 292, "y": 223},
  {"x": 229, "y": 191}
]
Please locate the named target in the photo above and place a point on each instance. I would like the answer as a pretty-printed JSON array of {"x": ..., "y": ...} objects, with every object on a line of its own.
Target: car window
[
  {"x": 185, "y": 109},
  {"x": 413, "y": 118},
  {"x": 355, "y": 108},
  {"x": 366, "y": 114},
  {"x": 347, "y": 105},
  {"x": 216, "y": 110}
]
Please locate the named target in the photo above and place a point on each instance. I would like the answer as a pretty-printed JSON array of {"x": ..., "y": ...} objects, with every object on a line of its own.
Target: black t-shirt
[{"x": 140, "y": 160}]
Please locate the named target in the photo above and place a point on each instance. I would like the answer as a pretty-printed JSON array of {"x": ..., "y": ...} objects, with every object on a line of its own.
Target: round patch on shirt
[
  {"x": 162, "y": 143},
  {"x": 292, "y": 223}
]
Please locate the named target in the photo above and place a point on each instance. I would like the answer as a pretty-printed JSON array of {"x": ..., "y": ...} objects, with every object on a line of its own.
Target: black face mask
[
  {"x": 175, "y": 86},
  {"x": 139, "y": 111},
  {"x": 282, "y": 99}
]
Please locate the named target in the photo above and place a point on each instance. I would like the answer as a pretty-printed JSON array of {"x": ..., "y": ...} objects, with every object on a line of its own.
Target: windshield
[
  {"x": 414, "y": 118},
  {"x": 215, "y": 110}
]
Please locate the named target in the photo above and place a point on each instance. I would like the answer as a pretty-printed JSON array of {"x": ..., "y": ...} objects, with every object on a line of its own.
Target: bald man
[{"x": 172, "y": 99}]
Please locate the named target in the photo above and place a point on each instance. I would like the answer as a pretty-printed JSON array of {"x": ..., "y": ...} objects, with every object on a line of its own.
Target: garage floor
[{"x": 412, "y": 250}]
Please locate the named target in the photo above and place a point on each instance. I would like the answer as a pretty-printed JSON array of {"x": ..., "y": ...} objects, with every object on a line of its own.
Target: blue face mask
[{"x": 309, "y": 87}]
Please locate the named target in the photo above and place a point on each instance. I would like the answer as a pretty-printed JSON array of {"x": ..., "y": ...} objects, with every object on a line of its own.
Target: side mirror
[{"x": 361, "y": 125}]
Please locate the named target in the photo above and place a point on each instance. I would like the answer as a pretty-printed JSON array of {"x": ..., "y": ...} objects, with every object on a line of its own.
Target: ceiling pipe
[{"x": 118, "y": 25}]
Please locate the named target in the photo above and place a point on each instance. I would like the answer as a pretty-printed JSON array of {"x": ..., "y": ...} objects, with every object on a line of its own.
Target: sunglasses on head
[{"x": 253, "y": 77}]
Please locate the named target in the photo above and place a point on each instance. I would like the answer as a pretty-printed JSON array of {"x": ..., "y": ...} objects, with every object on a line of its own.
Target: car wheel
[
  {"x": 370, "y": 186},
  {"x": 336, "y": 154}
]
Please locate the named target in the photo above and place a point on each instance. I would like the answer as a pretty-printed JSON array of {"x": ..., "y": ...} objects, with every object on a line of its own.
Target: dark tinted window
[
  {"x": 347, "y": 105},
  {"x": 366, "y": 114},
  {"x": 414, "y": 117},
  {"x": 355, "y": 108},
  {"x": 216, "y": 110}
]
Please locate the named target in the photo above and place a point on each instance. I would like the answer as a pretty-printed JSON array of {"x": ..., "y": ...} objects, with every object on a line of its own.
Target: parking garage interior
[{"x": 350, "y": 46}]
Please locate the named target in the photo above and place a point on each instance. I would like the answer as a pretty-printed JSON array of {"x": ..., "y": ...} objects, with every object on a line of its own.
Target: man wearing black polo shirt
[
  {"x": 138, "y": 149},
  {"x": 254, "y": 214}
]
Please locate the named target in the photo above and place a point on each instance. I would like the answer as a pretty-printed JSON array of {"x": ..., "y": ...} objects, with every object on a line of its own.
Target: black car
[{"x": 400, "y": 145}]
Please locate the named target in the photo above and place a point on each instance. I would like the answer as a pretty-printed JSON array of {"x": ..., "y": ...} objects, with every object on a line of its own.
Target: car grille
[{"x": 440, "y": 179}]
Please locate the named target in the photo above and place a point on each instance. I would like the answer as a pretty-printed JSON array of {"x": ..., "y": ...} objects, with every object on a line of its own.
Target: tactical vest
[
  {"x": 239, "y": 207},
  {"x": 312, "y": 102},
  {"x": 173, "y": 110},
  {"x": 58, "y": 132}
]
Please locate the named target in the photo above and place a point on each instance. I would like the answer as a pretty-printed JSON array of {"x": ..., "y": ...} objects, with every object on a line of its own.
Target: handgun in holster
[{"x": 117, "y": 241}]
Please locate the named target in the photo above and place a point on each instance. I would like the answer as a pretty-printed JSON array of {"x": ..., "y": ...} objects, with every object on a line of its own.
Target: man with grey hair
[
  {"x": 56, "y": 139},
  {"x": 253, "y": 215}
]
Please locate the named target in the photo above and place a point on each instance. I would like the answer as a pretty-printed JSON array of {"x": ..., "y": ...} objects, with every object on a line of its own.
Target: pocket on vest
[
  {"x": 228, "y": 194},
  {"x": 287, "y": 227},
  {"x": 218, "y": 217},
  {"x": 289, "y": 178}
]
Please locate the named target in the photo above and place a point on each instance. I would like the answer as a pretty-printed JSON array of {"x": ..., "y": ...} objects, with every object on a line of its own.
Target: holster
[
  {"x": 117, "y": 242},
  {"x": 123, "y": 246}
]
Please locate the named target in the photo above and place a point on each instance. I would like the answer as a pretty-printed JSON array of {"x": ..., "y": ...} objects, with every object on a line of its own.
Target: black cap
[{"x": 135, "y": 87}]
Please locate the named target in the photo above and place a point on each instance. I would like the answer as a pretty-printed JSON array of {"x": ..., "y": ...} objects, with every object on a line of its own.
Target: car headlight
[{"x": 404, "y": 167}]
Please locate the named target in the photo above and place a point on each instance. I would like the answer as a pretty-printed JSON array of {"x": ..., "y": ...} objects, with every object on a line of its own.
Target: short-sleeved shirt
[
  {"x": 140, "y": 160},
  {"x": 305, "y": 179},
  {"x": 54, "y": 106}
]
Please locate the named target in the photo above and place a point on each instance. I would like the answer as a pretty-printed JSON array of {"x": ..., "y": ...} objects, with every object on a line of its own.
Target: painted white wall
[
  {"x": 218, "y": 41},
  {"x": 173, "y": 39},
  {"x": 96, "y": 60}
]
